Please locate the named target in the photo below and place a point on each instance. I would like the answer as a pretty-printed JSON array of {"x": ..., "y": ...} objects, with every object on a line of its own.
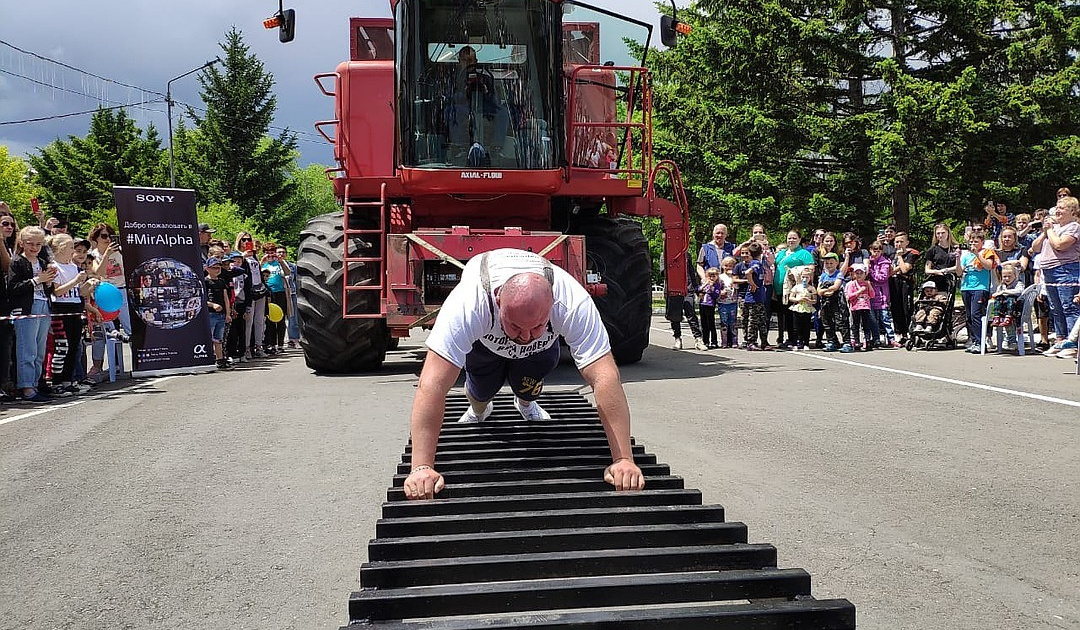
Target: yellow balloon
[{"x": 276, "y": 314}]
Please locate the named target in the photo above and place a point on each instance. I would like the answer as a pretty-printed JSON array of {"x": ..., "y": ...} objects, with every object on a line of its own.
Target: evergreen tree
[
  {"x": 232, "y": 155},
  {"x": 78, "y": 174}
]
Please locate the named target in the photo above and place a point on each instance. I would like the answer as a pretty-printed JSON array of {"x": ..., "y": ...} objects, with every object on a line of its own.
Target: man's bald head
[{"x": 525, "y": 302}]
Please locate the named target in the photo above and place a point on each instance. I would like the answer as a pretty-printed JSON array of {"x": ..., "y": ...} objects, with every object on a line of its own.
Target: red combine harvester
[{"x": 463, "y": 126}]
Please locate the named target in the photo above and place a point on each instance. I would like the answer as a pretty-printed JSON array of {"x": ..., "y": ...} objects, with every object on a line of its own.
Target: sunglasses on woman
[{"x": 7, "y": 224}]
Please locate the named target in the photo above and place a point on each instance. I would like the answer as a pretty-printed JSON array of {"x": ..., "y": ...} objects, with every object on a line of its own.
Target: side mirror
[
  {"x": 668, "y": 35},
  {"x": 285, "y": 22},
  {"x": 670, "y": 28},
  {"x": 287, "y": 28}
]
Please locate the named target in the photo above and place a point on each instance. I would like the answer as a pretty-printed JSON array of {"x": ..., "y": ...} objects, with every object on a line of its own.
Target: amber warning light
[
  {"x": 272, "y": 22},
  {"x": 683, "y": 28}
]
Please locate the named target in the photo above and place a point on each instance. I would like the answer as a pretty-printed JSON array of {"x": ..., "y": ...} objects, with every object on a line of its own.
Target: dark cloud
[{"x": 144, "y": 44}]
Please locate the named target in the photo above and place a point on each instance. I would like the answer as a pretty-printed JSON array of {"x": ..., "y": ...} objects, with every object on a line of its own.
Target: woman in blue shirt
[
  {"x": 973, "y": 265},
  {"x": 276, "y": 281}
]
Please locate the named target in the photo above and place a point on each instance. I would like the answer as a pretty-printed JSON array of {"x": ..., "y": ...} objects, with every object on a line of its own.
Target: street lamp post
[{"x": 169, "y": 103}]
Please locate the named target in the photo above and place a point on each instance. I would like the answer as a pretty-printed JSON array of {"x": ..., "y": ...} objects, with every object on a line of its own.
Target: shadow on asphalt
[{"x": 658, "y": 364}]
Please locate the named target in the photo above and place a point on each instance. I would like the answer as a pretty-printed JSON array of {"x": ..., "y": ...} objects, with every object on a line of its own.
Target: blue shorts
[
  {"x": 217, "y": 327},
  {"x": 486, "y": 372}
]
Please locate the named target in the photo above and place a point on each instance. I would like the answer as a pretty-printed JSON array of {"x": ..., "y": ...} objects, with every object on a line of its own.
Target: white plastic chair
[{"x": 1028, "y": 299}]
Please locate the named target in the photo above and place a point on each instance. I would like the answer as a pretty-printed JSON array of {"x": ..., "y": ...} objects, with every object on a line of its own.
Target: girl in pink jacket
[{"x": 859, "y": 292}]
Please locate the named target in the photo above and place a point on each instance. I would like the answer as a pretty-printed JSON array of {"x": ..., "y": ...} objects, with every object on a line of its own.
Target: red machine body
[{"x": 419, "y": 198}]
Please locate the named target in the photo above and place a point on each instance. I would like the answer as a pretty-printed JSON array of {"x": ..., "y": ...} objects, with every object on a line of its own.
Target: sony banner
[{"x": 159, "y": 236}]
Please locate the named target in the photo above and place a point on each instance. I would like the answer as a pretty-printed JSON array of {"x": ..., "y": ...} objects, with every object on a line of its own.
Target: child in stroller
[{"x": 931, "y": 319}]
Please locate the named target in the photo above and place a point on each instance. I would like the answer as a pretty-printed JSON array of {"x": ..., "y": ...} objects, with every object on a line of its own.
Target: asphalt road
[{"x": 246, "y": 499}]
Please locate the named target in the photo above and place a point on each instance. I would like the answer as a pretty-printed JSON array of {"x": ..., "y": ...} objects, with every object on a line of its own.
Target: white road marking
[
  {"x": 84, "y": 399},
  {"x": 951, "y": 381},
  {"x": 929, "y": 377}
]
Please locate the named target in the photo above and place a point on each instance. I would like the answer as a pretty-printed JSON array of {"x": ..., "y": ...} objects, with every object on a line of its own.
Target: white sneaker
[
  {"x": 531, "y": 410},
  {"x": 470, "y": 417},
  {"x": 699, "y": 345},
  {"x": 678, "y": 343}
]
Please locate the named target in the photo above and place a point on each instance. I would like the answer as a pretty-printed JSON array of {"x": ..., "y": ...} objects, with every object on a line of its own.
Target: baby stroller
[{"x": 940, "y": 334}]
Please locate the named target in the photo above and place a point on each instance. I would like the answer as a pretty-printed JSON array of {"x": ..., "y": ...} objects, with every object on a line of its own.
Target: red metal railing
[
  {"x": 348, "y": 261},
  {"x": 632, "y": 162}
]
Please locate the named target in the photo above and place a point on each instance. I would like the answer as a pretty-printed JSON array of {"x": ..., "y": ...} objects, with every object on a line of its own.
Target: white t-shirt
[
  {"x": 65, "y": 273},
  {"x": 466, "y": 314}
]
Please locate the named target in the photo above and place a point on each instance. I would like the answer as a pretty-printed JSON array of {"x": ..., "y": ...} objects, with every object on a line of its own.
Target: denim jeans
[
  {"x": 883, "y": 320},
  {"x": 294, "y": 320},
  {"x": 975, "y": 307},
  {"x": 1063, "y": 311},
  {"x": 30, "y": 337}
]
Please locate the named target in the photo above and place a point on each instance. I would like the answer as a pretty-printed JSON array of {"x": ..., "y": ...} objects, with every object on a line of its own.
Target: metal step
[{"x": 527, "y": 535}]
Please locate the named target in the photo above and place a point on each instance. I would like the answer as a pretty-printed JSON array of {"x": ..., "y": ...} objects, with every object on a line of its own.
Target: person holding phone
[
  {"x": 973, "y": 265},
  {"x": 109, "y": 265},
  {"x": 1059, "y": 260},
  {"x": 29, "y": 290}
]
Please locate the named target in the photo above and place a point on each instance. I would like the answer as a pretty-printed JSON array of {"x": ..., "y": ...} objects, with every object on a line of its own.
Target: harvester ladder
[
  {"x": 527, "y": 535},
  {"x": 360, "y": 212}
]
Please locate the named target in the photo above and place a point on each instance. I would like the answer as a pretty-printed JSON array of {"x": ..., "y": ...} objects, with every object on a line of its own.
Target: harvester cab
[{"x": 462, "y": 126}]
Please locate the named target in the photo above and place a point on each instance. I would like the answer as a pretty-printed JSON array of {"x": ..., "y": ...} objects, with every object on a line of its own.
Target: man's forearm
[
  {"x": 425, "y": 422},
  {"x": 603, "y": 376}
]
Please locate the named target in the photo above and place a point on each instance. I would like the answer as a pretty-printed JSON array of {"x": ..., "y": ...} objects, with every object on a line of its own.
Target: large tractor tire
[
  {"x": 333, "y": 344},
  {"x": 617, "y": 250}
]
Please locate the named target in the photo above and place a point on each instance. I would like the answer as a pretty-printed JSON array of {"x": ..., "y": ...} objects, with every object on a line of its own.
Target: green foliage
[
  {"x": 15, "y": 186},
  {"x": 816, "y": 113},
  {"x": 228, "y": 221},
  {"x": 103, "y": 214},
  {"x": 313, "y": 194},
  {"x": 77, "y": 175},
  {"x": 231, "y": 155}
]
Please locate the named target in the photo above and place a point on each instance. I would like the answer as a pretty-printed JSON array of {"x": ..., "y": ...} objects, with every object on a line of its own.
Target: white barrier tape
[{"x": 12, "y": 318}]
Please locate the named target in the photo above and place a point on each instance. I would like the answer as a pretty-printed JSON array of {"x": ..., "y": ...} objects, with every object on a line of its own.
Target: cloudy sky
[{"x": 144, "y": 43}]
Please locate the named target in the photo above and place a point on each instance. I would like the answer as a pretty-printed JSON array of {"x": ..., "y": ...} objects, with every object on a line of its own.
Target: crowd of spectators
[
  {"x": 844, "y": 293},
  {"x": 49, "y": 317}
]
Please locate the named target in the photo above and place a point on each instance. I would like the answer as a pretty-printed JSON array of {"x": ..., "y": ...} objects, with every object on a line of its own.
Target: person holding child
[
  {"x": 801, "y": 299},
  {"x": 787, "y": 258}
]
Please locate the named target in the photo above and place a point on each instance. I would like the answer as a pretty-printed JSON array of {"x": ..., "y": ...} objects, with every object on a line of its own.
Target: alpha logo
[
  {"x": 154, "y": 198},
  {"x": 200, "y": 350}
]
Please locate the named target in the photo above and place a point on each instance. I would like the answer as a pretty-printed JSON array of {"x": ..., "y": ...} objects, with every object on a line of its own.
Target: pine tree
[
  {"x": 78, "y": 174},
  {"x": 237, "y": 159}
]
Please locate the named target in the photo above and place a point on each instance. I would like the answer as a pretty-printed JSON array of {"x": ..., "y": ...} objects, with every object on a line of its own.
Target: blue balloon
[{"x": 108, "y": 297}]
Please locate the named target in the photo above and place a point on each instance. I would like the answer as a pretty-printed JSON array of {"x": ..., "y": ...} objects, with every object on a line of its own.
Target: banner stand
[{"x": 166, "y": 292}]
